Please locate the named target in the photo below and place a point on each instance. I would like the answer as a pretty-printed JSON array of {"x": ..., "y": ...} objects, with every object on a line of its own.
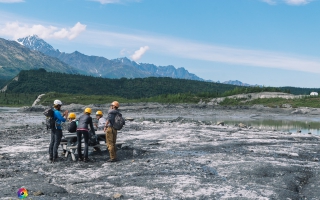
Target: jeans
[
  {"x": 86, "y": 141},
  {"x": 56, "y": 135}
]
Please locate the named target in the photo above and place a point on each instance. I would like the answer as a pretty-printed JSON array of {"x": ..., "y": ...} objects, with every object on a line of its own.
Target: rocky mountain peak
[{"x": 34, "y": 42}]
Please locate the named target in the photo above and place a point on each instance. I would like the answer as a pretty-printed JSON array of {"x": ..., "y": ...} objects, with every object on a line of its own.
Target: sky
[{"x": 264, "y": 42}]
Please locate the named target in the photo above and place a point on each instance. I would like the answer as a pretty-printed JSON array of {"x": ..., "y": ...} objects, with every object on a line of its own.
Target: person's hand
[
  {"x": 65, "y": 113},
  {"x": 104, "y": 129}
]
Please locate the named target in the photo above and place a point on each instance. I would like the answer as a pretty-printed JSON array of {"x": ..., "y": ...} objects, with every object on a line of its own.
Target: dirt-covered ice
[{"x": 170, "y": 152}]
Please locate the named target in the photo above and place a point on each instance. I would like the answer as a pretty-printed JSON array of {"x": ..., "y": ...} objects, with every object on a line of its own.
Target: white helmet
[{"x": 57, "y": 102}]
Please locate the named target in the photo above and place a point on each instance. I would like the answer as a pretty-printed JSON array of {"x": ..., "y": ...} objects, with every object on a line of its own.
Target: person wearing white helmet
[{"x": 56, "y": 132}]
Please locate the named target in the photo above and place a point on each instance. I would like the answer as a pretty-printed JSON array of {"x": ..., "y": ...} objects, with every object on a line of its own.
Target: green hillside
[
  {"x": 87, "y": 90},
  {"x": 40, "y": 81},
  {"x": 15, "y": 57}
]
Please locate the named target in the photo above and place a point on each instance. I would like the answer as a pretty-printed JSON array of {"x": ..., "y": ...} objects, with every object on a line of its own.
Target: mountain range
[
  {"x": 33, "y": 52},
  {"x": 239, "y": 83},
  {"x": 103, "y": 67},
  {"x": 15, "y": 57}
]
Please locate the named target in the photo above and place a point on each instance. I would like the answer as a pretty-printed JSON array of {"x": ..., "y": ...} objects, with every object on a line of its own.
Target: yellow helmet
[
  {"x": 116, "y": 104},
  {"x": 72, "y": 116},
  {"x": 99, "y": 112},
  {"x": 87, "y": 110}
]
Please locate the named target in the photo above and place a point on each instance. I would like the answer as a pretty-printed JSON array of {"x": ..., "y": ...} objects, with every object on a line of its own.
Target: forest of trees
[
  {"x": 88, "y": 89},
  {"x": 40, "y": 81},
  {"x": 300, "y": 91}
]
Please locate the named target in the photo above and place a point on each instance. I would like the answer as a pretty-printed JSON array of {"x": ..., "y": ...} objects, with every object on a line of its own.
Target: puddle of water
[
  {"x": 287, "y": 125},
  {"x": 8, "y": 109},
  {"x": 304, "y": 127}
]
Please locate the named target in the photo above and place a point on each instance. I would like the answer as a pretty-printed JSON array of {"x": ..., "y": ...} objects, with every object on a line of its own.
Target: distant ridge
[
  {"x": 239, "y": 83},
  {"x": 15, "y": 57},
  {"x": 103, "y": 67}
]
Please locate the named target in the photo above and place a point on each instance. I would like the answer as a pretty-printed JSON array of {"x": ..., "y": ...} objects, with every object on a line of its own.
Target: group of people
[{"x": 82, "y": 126}]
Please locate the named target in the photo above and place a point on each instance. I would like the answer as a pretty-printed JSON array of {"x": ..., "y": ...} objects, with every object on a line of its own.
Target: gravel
[{"x": 170, "y": 152}]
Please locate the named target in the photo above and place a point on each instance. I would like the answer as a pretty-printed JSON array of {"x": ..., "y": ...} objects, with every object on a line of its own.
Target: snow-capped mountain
[
  {"x": 103, "y": 67},
  {"x": 15, "y": 57},
  {"x": 35, "y": 43}
]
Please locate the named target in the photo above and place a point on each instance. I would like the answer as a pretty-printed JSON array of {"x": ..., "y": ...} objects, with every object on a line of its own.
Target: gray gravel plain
[{"x": 170, "y": 152}]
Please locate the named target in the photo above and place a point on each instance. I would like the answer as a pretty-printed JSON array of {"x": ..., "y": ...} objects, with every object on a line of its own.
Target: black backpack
[
  {"x": 50, "y": 122},
  {"x": 93, "y": 140},
  {"x": 118, "y": 122},
  {"x": 72, "y": 128}
]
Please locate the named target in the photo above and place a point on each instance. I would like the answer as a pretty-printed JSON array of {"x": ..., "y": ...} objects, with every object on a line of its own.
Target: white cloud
[
  {"x": 115, "y": 1},
  {"x": 124, "y": 52},
  {"x": 289, "y": 2},
  {"x": 297, "y": 2},
  {"x": 11, "y": 1},
  {"x": 176, "y": 47},
  {"x": 18, "y": 30},
  {"x": 271, "y": 2},
  {"x": 137, "y": 54}
]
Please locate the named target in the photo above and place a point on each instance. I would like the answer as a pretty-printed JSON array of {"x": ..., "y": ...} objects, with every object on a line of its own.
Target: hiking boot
[
  {"x": 80, "y": 159},
  {"x": 56, "y": 159},
  {"x": 86, "y": 160},
  {"x": 96, "y": 149},
  {"x": 112, "y": 160},
  {"x": 50, "y": 160}
]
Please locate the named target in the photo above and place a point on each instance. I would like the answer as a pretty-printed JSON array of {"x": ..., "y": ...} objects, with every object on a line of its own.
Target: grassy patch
[{"x": 17, "y": 100}]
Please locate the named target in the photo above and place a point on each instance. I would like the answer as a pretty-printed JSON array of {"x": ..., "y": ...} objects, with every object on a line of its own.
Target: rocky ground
[{"x": 170, "y": 152}]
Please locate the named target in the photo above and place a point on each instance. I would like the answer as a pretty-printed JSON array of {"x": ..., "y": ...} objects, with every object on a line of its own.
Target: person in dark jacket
[
  {"x": 84, "y": 122},
  {"x": 56, "y": 132},
  {"x": 111, "y": 133},
  {"x": 72, "y": 128}
]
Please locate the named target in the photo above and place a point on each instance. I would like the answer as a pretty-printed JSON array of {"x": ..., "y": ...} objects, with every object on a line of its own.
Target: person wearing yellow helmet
[
  {"x": 83, "y": 129},
  {"x": 72, "y": 116},
  {"x": 87, "y": 110},
  {"x": 111, "y": 132},
  {"x": 101, "y": 120},
  {"x": 72, "y": 128}
]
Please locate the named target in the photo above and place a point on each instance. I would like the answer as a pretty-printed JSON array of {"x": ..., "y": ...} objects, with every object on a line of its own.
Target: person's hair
[{"x": 56, "y": 106}]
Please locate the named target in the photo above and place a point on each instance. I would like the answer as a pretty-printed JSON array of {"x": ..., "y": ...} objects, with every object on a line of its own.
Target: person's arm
[
  {"x": 91, "y": 126},
  {"x": 58, "y": 116},
  {"x": 106, "y": 126},
  {"x": 102, "y": 122},
  {"x": 107, "y": 123}
]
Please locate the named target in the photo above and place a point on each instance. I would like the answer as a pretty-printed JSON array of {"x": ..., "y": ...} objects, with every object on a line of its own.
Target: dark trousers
[
  {"x": 86, "y": 141},
  {"x": 56, "y": 135}
]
